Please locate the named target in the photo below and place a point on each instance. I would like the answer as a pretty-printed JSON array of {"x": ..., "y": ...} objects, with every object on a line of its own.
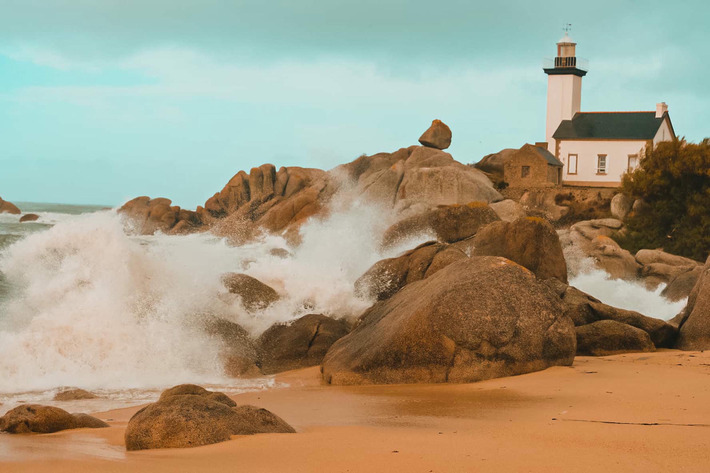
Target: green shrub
[{"x": 674, "y": 179}]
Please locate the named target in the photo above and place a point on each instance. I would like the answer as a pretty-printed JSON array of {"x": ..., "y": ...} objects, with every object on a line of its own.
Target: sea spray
[{"x": 90, "y": 306}]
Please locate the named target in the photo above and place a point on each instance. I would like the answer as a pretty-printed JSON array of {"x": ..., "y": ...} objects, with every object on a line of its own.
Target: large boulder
[
  {"x": 415, "y": 179},
  {"x": 9, "y": 208},
  {"x": 475, "y": 319},
  {"x": 189, "y": 417},
  {"x": 609, "y": 337},
  {"x": 449, "y": 223},
  {"x": 695, "y": 321},
  {"x": 254, "y": 294},
  {"x": 438, "y": 135},
  {"x": 621, "y": 206},
  {"x": 34, "y": 418},
  {"x": 298, "y": 344},
  {"x": 388, "y": 276},
  {"x": 529, "y": 241}
]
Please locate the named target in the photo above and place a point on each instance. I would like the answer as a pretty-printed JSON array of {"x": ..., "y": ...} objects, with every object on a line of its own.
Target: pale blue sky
[{"x": 101, "y": 101}]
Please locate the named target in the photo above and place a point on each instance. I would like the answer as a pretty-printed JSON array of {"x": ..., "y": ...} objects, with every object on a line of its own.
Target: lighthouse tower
[{"x": 564, "y": 87}]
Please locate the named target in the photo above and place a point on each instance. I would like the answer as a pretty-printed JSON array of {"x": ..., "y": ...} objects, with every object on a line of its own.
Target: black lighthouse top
[{"x": 566, "y": 61}]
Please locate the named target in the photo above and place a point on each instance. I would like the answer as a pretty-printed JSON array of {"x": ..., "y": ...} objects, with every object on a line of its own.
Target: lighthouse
[{"x": 564, "y": 87}]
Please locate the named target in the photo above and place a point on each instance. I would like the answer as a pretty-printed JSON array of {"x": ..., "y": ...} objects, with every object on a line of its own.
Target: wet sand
[{"x": 635, "y": 412}]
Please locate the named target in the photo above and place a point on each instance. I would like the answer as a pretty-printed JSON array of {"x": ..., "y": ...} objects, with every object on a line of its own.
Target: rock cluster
[
  {"x": 9, "y": 207},
  {"x": 158, "y": 215},
  {"x": 34, "y": 418},
  {"x": 606, "y": 338},
  {"x": 190, "y": 416},
  {"x": 73, "y": 395}
]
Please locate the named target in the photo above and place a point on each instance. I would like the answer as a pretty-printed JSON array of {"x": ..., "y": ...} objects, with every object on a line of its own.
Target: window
[
  {"x": 572, "y": 164},
  {"x": 525, "y": 171},
  {"x": 633, "y": 162},
  {"x": 601, "y": 164}
]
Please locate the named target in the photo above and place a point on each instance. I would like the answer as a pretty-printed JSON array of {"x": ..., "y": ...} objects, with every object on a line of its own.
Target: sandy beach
[{"x": 634, "y": 412}]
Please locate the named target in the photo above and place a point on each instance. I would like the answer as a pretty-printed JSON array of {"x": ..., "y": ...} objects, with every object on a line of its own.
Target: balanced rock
[
  {"x": 529, "y": 241},
  {"x": 30, "y": 418},
  {"x": 255, "y": 295},
  {"x": 475, "y": 319},
  {"x": 188, "y": 416},
  {"x": 73, "y": 395},
  {"x": 301, "y": 343},
  {"x": 9, "y": 208},
  {"x": 29, "y": 218},
  {"x": 437, "y": 136}
]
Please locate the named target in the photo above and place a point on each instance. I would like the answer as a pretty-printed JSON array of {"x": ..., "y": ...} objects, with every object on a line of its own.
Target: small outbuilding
[{"x": 532, "y": 166}]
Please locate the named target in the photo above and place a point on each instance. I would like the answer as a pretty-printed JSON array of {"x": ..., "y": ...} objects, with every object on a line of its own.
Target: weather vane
[{"x": 567, "y": 28}]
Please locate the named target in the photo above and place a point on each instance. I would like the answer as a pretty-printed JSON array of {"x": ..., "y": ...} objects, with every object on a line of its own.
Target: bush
[{"x": 674, "y": 179}]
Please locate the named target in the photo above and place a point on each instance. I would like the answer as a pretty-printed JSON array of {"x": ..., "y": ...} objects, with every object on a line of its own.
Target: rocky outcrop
[
  {"x": 677, "y": 272},
  {"x": 189, "y": 416},
  {"x": 267, "y": 200},
  {"x": 621, "y": 206},
  {"x": 465, "y": 323},
  {"x": 695, "y": 320},
  {"x": 438, "y": 135},
  {"x": 298, "y": 344},
  {"x": 608, "y": 337},
  {"x": 74, "y": 395},
  {"x": 9, "y": 208},
  {"x": 34, "y": 418},
  {"x": 29, "y": 218},
  {"x": 254, "y": 294},
  {"x": 238, "y": 351},
  {"x": 529, "y": 241},
  {"x": 149, "y": 216},
  {"x": 448, "y": 223}
]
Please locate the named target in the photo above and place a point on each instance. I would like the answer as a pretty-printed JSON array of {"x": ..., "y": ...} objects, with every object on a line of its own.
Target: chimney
[
  {"x": 541, "y": 144},
  {"x": 661, "y": 108}
]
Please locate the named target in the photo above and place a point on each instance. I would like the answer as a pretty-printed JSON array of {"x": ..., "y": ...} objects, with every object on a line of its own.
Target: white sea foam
[
  {"x": 630, "y": 295},
  {"x": 92, "y": 307}
]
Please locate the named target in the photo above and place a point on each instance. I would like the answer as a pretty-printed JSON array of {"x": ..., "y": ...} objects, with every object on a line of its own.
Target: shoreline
[{"x": 551, "y": 420}]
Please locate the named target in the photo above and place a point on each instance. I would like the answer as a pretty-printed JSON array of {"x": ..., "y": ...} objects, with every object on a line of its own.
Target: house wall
[
  {"x": 512, "y": 170},
  {"x": 617, "y": 159},
  {"x": 664, "y": 133},
  {"x": 564, "y": 98}
]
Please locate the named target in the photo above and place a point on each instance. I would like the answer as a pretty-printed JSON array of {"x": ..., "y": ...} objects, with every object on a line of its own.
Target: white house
[{"x": 596, "y": 148}]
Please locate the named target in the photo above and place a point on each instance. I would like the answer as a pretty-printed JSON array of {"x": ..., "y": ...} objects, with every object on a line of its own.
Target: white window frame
[
  {"x": 628, "y": 162},
  {"x": 602, "y": 163},
  {"x": 572, "y": 162}
]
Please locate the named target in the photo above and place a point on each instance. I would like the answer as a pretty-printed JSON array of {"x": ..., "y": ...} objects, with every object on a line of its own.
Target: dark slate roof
[
  {"x": 549, "y": 157},
  {"x": 610, "y": 125}
]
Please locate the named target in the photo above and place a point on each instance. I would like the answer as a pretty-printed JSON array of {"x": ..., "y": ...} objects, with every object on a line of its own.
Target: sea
[{"x": 86, "y": 303}]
